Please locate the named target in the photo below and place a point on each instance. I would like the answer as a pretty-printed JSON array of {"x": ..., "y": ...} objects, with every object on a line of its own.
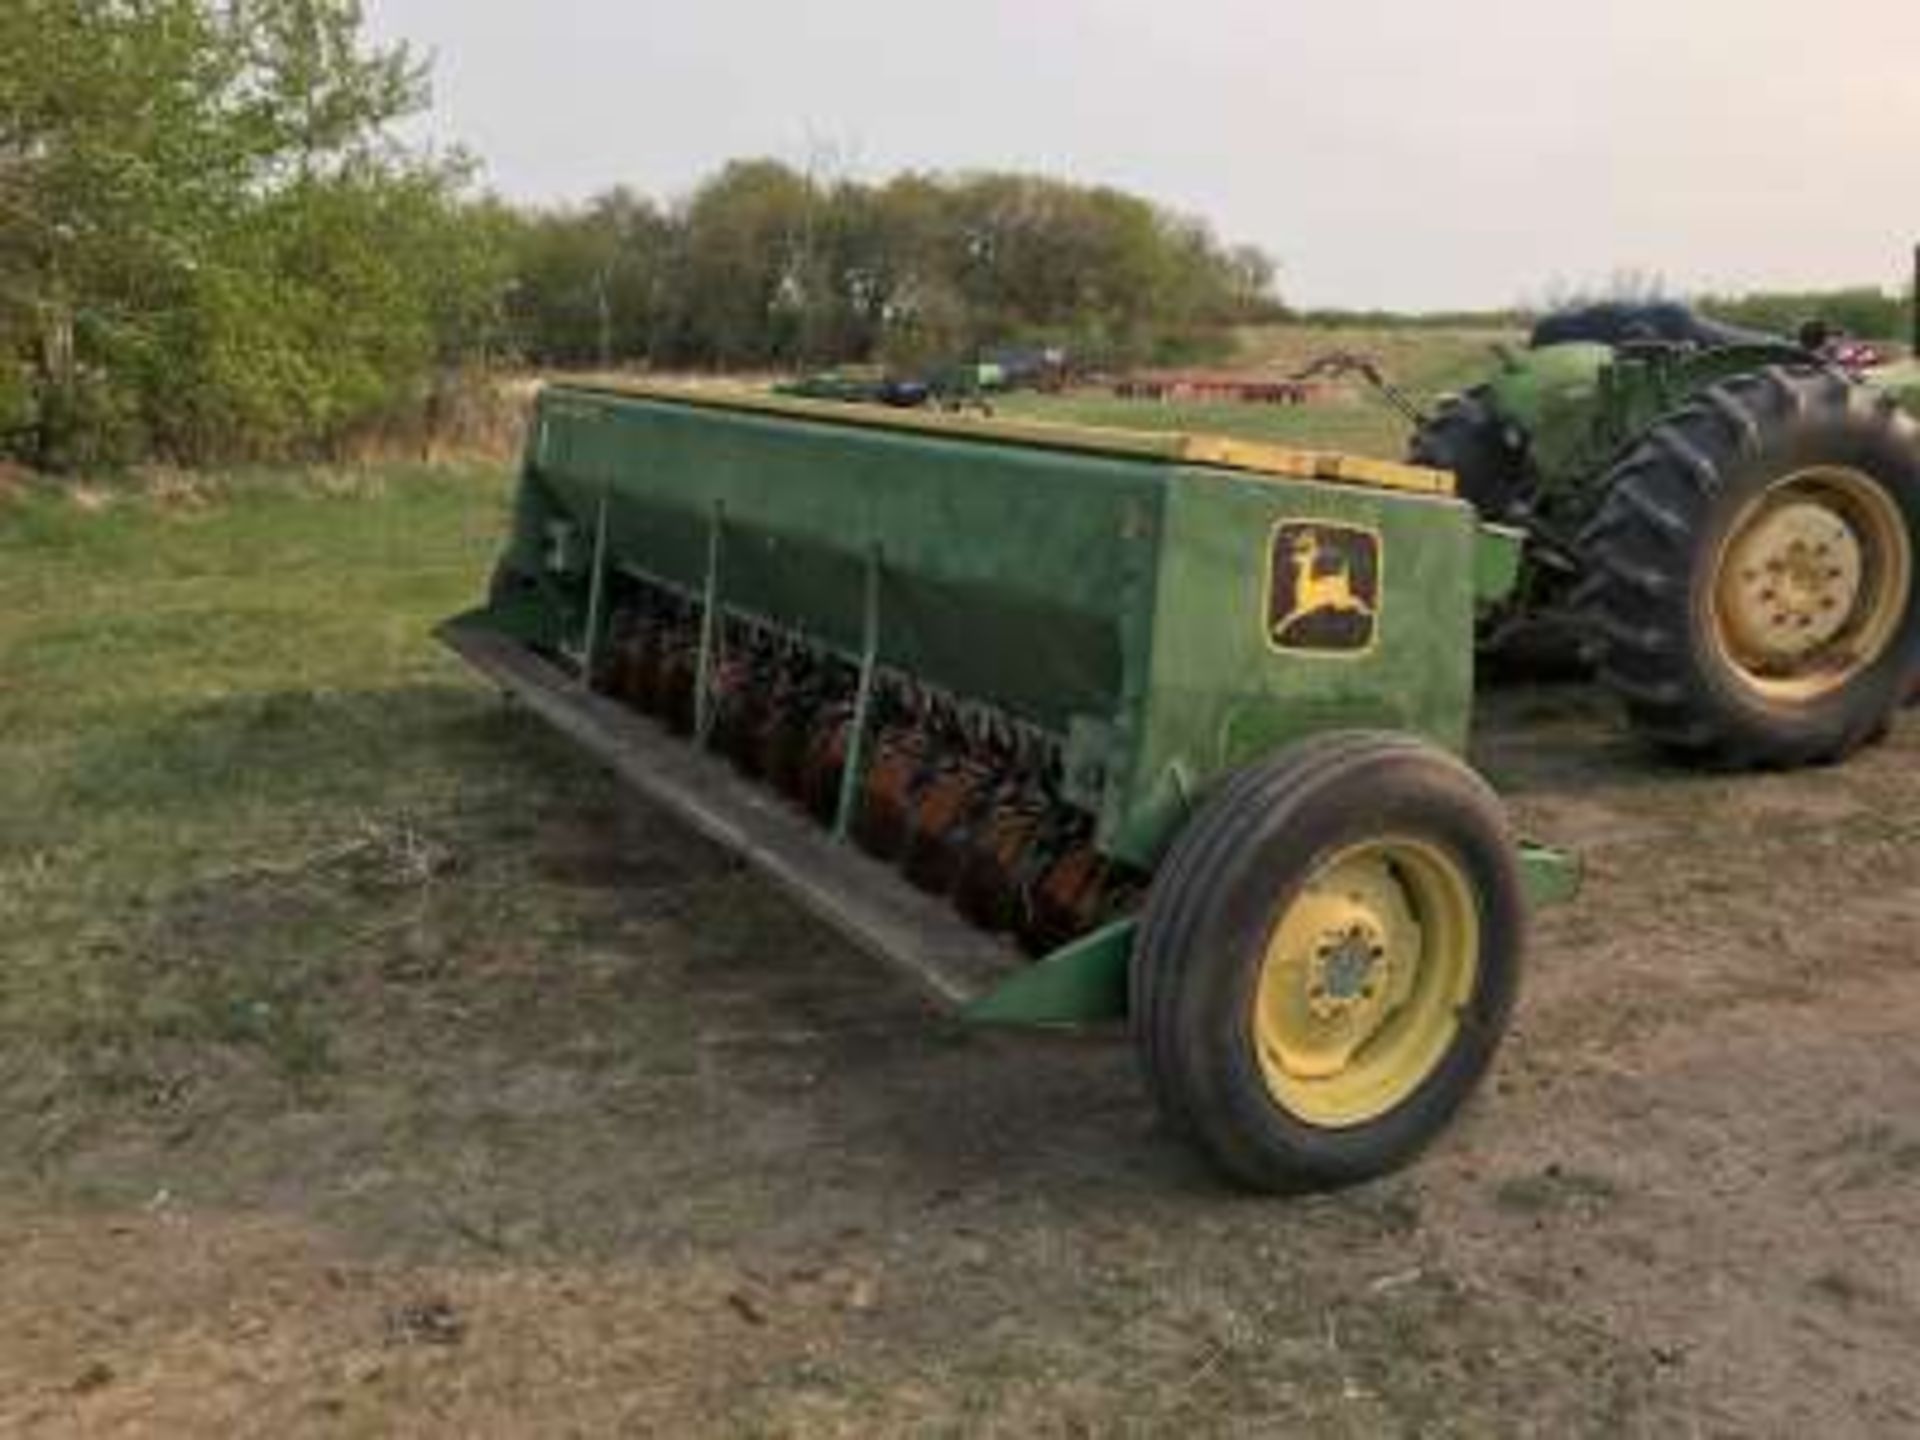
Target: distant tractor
[{"x": 1722, "y": 523}]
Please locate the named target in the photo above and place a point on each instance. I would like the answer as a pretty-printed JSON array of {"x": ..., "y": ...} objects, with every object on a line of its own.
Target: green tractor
[{"x": 1721, "y": 524}]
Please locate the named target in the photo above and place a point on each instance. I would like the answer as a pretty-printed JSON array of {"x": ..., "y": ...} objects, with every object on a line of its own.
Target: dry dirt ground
[
  {"x": 369, "y": 1065},
  {"x": 661, "y": 1157}
]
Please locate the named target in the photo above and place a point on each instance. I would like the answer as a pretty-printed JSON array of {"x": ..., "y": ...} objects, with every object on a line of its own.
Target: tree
[
  {"x": 743, "y": 271},
  {"x": 211, "y": 243},
  {"x": 764, "y": 266},
  {"x": 589, "y": 283}
]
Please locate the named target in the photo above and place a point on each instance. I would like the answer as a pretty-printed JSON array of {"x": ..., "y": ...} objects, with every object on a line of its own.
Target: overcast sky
[{"x": 1386, "y": 152}]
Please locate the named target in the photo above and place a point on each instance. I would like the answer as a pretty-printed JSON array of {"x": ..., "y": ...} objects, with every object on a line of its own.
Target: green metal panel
[
  {"x": 1077, "y": 984},
  {"x": 1005, "y": 568},
  {"x": 1217, "y": 694},
  {"x": 1532, "y": 389},
  {"x": 1552, "y": 877},
  {"x": 1497, "y": 558}
]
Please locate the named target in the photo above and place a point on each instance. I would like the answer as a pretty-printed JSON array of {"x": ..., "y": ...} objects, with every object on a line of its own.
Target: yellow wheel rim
[
  {"x": 1364, "y": 978},
  {"x": 1811, "y": 583}
]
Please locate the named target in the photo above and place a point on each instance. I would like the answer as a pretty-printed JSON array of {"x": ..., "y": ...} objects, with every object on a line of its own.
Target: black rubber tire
[
  {"x": 1467, "y": 436},
  {"x": 1539, "y": 650},
  {"x": 1647, "y": 595},
  {"x": 1180, "y": 875},
  {"x": 1214, "y": 902}
]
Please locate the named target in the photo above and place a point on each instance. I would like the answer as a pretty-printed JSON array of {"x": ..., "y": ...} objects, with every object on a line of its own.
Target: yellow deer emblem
[{"x": 1314, "y": 593}]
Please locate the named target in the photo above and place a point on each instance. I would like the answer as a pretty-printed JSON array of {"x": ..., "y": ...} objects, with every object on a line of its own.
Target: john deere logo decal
[{"x": 1323, "y": 587}]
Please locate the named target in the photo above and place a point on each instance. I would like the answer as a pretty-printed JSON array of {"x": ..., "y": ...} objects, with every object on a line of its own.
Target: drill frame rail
[{"x": 857, "y": 895}]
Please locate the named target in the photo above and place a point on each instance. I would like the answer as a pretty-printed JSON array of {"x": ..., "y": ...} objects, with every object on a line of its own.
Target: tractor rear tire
[
  {"x": 1467, "y": 436},
  {"x": 1750, "y": 584},
  {"x": 1328, "y": 960}
]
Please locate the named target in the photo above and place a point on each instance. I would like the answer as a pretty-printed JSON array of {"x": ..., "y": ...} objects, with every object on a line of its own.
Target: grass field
[
  {"x": 204, "y": 690},
  {"x": 369, "y": 1065}
]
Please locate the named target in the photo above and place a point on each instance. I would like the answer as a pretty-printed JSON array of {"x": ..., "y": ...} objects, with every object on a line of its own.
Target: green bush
[
  {"x": 17, "y": 401},
  {"x": 88, "y": 423},
  {"x": 1864, "y": 311},
  {"x": 212, "y": 246},
  {"x": 763, "y": 266}
]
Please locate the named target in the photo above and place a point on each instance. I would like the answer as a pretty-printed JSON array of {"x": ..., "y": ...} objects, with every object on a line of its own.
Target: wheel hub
[
  {"x": 1796, "y": 578},
  {"x": 1348, "y": 967},
  {"x": 1364, "y": 975},
  {"x": 1812, "y": 583}
]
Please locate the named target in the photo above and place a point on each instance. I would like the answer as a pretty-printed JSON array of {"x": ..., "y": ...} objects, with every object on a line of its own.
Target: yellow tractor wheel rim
[
  {"x": 1363, "y": 981},
  {"x": 1811, "y": 583}
]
